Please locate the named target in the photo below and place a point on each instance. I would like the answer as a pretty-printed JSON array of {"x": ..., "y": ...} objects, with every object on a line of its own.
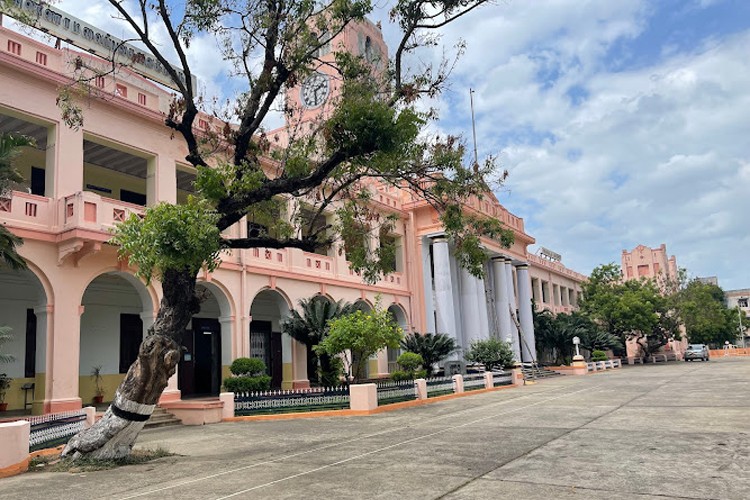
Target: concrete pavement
[{"x": 677, "y": 430}]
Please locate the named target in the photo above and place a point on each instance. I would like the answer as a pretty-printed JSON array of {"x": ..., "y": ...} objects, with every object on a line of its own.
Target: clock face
[{"x": 314, "y": 90}]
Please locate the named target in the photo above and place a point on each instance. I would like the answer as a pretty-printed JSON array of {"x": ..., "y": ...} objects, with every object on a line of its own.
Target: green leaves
[
  {"x": 180, "y": 237},
  {"x": 492, "y": 353},
  {"x": 362, "y": 334},
  {"x": 706, "y": 317}
]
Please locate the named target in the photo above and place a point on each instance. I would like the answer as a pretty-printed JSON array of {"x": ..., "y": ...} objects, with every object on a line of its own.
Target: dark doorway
[
  {"x": 200, "y": 366},
  {"x": 30, "y": 358},
  {"x": 37, "y": 181},
  {"x": 266, "y": 345},
  {"x": 131, "y": 336}
]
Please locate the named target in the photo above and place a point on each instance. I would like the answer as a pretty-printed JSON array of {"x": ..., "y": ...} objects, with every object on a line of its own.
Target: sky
[{"x": 620, "y": 122}]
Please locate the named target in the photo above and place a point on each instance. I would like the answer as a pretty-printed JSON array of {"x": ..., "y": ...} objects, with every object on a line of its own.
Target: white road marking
[
  {"x": 380, "y": 433},
  {"x": 356, "y": 457}
]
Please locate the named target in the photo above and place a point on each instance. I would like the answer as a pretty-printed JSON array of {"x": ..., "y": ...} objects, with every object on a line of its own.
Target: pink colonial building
[
  {"x": 652, "y": 263},
  {"x": 78, "y": 307}
]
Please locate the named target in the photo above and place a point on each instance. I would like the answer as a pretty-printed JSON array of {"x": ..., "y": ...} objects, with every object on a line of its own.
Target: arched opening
[
  {"x": 23, "y": 312},
  {"x": 371, "y": 367},
  {"x": 400, "y": 317},
  {"x": 117, "y": 310},
  {"x": 206, "y": 345},
  {"x": 267, "y": 311}
]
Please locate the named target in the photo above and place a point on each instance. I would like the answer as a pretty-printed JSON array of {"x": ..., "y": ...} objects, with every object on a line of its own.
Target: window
[
  {"x": 99, "y": 82},
  {"x": 742, "y": 302},
  {"x": 390, "y": 252},
  {"x": 312, "y": 224},
  {"x": 121, "y": 90},
  {"x": 14, "y": 47},
  {"x": 41, "y": 58},
  {"x": 202, "y": 124},
  {"x": 141, "y": 99},
  {"x": 545, "y": 292}
]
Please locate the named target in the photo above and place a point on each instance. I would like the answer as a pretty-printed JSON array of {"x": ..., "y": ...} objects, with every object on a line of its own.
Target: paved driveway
[{"x": 660, "y": 431}]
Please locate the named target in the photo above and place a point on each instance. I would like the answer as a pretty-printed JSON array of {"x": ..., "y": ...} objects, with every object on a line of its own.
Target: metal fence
[
  {"x": 474, "y": 382},
  {"x": 394, "y": 392},
  {"x": 501, "y": 378},
  {"x": 439, "y": 386},
  {"x": 294, "y": 401},
  {"x": 54, "y": 429}
]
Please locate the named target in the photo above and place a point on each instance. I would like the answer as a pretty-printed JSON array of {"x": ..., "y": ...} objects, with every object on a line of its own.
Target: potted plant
[
  {"x": 96, "y": 375},
  {"x": 4, "y": 386}
]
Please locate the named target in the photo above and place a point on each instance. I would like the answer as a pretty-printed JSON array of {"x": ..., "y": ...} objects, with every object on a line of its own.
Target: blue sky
[{"x": 622, "y": 122}]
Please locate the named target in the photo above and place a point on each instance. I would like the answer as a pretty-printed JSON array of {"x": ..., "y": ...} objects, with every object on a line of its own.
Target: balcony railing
[
  {"x": 87, "y": 210},
  {"x": 27, "y": 210}
]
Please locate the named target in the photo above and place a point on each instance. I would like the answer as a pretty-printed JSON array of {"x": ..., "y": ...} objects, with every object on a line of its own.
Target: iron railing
[
  {"x": 390, "y": 392},
  {"x": 293, "y": 401},
  {"x": 440, "y": 386},
  {"x": 54, "y": 429}
]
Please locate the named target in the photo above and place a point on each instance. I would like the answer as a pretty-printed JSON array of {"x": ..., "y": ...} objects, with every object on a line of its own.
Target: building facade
[
  {"x": 740, "y": 300},
  {"x": 78, "y": 307}
]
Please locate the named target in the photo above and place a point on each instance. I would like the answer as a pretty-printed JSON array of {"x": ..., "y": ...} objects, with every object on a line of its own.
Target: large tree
[
  {"x": 374, "y": 133},
  {"x": 705, "y": 315},
  {"x": 635, "y": 310}
]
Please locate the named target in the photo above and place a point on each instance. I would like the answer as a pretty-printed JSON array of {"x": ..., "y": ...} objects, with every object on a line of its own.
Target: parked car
[{"x": 696, "y": 351}]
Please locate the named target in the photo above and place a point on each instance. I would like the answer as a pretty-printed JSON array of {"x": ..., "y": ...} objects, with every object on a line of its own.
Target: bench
[{"x": 658, "y": 357}]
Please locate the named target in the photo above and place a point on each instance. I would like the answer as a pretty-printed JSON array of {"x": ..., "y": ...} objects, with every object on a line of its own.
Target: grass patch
[{"x": 56, "y": 464}]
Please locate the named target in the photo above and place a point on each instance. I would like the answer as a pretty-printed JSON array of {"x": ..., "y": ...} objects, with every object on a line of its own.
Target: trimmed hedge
[{"x": 248, "y": 384}]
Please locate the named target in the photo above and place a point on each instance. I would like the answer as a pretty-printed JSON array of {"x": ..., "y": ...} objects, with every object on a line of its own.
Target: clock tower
[{"x": 313, "y": 99}]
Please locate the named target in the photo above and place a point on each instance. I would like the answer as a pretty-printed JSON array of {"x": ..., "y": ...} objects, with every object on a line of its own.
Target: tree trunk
[{"x": 114, "y": 435}]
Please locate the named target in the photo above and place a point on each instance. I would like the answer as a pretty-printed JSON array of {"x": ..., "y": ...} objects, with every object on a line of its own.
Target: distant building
[
  {"x": 740, "y": 299},
  {"x": 709, "y": 280},
  {"x": 645, "y": 262},
  {"x": 651, "y": 263}
]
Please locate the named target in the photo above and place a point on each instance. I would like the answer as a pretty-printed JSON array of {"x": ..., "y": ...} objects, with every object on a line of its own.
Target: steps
[
  {"x": 161, "y": 418},
  {"x": 537, "y": 373}
]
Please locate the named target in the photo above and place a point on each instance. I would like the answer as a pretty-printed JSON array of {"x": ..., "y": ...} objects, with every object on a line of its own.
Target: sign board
[
  {"x": 57, "y": 23},
  {"x": 546, "y": 252}
]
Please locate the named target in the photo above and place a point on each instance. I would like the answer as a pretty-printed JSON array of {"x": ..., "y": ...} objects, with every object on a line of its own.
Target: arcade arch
[
  {"x": 117, "y": 310},
  {"x": 267, "y": 310}
]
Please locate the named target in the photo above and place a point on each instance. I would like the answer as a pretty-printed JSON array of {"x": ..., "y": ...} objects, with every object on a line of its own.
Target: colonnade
[{"x": 470, "y": 308}]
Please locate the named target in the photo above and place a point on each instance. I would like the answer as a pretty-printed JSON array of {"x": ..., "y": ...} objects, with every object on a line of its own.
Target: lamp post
[
  {"x": 739, "y": 317},
  {"x": 576, "y": 342}
]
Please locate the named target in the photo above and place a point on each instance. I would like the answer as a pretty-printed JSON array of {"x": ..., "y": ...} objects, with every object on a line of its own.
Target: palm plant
[
  {"x": 433, "y": 347},
  {"x": 10, "y": 149},
  {"x": 309, "y": 326}
]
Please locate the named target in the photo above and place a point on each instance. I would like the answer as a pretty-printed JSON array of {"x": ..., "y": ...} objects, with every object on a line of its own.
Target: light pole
[
  {"x": 739, "y": 317},
  {"x": 576, "y": 342}
]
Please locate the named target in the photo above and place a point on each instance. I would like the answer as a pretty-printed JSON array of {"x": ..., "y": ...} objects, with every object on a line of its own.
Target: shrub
[
  {"x": 599, "y": 356},
  {"x": 432, "y": 347},
  {"x": 247, "y": 384},
  {"x": 400, "y": 375},
  {"x": 492, "y": 353},
  {"x": 248, "y": 367},
  {"x": 410, "y": 361}
]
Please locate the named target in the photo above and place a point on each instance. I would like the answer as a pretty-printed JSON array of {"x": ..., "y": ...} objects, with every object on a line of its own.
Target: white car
[{"x": 697, "y": 351}]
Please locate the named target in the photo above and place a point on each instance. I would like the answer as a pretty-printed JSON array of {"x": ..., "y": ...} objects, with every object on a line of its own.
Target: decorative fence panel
[
  {"x": 474, "y": 382},
  {"x": 395, "y": 392},
  {"x": 316, "y": 399},
  {"x": 439, "y": 387},
  {"x": 499, "y": 378},
  {"x": 54, "y": 429}
]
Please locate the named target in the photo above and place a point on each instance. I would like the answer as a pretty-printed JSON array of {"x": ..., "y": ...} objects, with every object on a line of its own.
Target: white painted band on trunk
[{"x": 132, "y": 406}]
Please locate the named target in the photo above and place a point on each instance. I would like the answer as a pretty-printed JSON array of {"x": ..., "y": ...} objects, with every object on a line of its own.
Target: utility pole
[{"x": 473, "y": 129}]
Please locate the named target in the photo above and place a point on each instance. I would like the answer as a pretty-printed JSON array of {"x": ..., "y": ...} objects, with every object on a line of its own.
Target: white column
[
  {"x": 512, "y": 304},
  {"x": 526, "y": 317},
  {"x": 502, "y": 304},
  {"x": 445, "y": 308},
  {"x": 484, "y": 321},
  {"x": 429, "y": 298},
  {"x": 469, "y": 307}
]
